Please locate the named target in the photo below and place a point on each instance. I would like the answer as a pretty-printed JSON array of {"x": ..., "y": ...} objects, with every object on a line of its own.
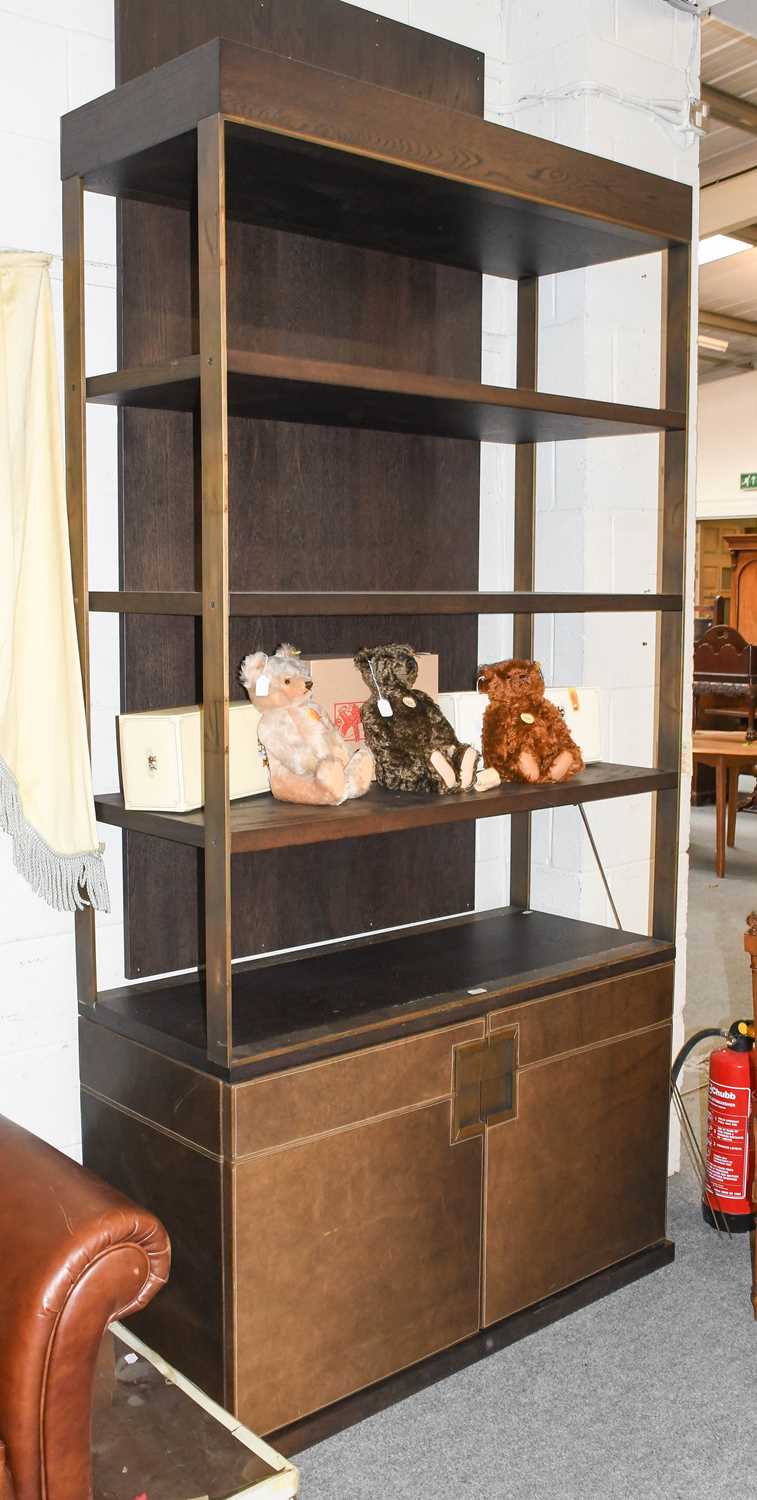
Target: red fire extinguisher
[{"x": 727, "y": 1198}]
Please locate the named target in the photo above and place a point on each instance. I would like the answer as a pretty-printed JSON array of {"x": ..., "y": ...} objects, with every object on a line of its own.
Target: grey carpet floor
[{"x": 647, "y": 1395}]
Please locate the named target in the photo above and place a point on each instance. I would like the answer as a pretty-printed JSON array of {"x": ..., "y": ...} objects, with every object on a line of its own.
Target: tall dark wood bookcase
[{"x": 379, "y": 1158}]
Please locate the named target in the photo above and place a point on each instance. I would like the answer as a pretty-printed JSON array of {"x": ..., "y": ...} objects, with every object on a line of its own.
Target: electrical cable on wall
[
  {"x": 676, "y": 116},
  {"x": 697, "y": 8}
]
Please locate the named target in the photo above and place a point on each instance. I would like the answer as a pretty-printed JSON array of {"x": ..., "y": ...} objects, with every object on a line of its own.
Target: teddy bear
[
  {"x": 525, "y": 737},
  {"x": 307, "y": 757},
  {"x": 414, "y": 747}
]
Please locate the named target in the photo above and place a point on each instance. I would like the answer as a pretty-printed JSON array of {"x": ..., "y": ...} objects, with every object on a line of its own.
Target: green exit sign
[{"x": 748, "y": 482}]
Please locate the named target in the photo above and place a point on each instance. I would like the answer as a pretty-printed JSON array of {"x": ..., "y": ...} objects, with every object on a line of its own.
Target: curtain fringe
[{"x": 67, "y": 882}]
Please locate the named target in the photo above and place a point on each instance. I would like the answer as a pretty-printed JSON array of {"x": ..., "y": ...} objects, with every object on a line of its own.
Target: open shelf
[
  {"x": 324, "y": 154},
  {"x": 284, "y": 389},
  {"x": 312, "y": 1003},
  {"x": 263, "y": 823},
  {"x": 391, "y": 602}
]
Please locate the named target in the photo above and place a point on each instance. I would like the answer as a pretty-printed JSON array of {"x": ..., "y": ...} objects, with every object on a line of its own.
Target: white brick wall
[
  {"x": 599, "y": 336},
  {"x": 596, "y": 502},
  {"x": 54, "y": 55}
]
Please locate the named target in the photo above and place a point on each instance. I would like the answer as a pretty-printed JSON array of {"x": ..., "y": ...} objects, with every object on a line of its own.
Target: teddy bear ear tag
[
  {"x": 263, "y": 684},
  {"x": 383, "y": 705}
]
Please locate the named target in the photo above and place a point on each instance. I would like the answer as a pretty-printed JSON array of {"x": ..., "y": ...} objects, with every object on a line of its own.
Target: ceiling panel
[
  {"x": 729, "y": 62},
  {"x": 730, "y": 285}
]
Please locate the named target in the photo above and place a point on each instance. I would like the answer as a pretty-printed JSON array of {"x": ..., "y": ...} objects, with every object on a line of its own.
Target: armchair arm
[
  {"x": 6, "y": 1486},
  {"x": 76, "y": 1255}
]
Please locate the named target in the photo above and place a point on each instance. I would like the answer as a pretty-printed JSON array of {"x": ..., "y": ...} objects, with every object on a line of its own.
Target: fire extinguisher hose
[{"x": 688, "y": 1047}]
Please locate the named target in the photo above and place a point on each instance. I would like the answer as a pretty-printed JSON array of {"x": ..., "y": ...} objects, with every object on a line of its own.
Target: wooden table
[{"x": 730, "y": 755}]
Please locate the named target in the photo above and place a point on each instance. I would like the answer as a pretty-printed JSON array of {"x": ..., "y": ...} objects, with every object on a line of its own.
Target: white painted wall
[
  {"x": 54, "y": 55},
  {"x": 599, "y": 336},
  {"x": 597, "y": 502},
  {"x": 727, "y": 441}
]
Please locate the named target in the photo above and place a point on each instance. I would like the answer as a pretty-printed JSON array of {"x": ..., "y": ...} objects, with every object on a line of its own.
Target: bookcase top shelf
[
  {"x": 263, "y": 823},
  {"x": 325, "y": 154},
  {"x": 285, "y": 389}
]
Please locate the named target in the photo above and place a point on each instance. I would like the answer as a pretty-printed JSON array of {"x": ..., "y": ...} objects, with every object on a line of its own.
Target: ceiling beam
[
  {"x": 718, "y": 357},
  {"x": 727, "y": 206},
  {"x": 729, "y": 109},
  {"x": 723, "y": 320}
]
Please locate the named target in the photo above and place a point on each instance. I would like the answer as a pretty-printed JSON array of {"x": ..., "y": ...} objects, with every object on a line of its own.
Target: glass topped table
[{"x": 155, "y": 1436}]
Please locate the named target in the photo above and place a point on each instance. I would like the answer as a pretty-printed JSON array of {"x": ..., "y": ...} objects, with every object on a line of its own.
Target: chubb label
[{"x": 722, "y": 1093}]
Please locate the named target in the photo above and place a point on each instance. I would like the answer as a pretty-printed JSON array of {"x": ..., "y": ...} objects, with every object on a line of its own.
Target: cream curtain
[{"x": 45, "y": 784}]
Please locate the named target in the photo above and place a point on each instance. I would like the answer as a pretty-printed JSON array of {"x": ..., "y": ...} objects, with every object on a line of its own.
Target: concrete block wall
[
  {"x": 597, "y": 503},
  {"x": 54, "y": 55}
]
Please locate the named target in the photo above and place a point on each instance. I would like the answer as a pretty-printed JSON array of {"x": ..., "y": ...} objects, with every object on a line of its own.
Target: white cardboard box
[
  {"x": 161, "y": 757},
  {"x": 580, "y": 708}
]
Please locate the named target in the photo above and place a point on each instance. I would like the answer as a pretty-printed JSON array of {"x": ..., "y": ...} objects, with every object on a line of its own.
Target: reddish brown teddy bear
[{"x": 525, "y": 737}]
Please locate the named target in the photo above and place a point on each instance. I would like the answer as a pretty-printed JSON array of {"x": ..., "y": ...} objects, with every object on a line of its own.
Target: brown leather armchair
[{"x": 76, "y": 1254}]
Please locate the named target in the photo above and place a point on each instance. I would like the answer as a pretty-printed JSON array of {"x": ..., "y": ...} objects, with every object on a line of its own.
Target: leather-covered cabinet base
[{"x": 329, "y": 1229}]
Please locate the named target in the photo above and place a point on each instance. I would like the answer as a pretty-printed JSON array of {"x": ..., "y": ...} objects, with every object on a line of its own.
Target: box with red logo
[{"x": 339, "y": 688}]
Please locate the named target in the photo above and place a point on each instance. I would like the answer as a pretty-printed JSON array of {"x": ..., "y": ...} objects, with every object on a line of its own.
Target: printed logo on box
[{"x": 347, "y": 719}]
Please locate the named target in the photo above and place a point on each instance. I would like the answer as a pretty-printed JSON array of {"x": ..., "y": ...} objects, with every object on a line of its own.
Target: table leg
[
  {"x": 733, "y": 802},
  {"x": 720, "y": 806}
]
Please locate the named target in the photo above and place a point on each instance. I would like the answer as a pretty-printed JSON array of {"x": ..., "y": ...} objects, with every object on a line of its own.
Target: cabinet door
[
  {"x": 578, "y": 1180},
  {"x": 357, "y": 1253}
]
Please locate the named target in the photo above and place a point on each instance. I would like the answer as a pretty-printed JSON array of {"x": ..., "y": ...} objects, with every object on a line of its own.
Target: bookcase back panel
[
  {"x": 326, "y": 33},
  {"x": 310, "y": 507}
]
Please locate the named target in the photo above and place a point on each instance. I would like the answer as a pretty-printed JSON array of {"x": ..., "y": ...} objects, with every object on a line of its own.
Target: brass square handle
[{"x": 484, "y": 1083}]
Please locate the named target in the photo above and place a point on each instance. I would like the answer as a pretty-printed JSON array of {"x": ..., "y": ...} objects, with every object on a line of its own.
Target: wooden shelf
[
  {"x": 392, "y": 602},
  {"x": 324, "y": 154},
  {"x": 319, "y": 1001},
  {"x": 263, "y": 823},
  {"x": 283, "y": 389}
]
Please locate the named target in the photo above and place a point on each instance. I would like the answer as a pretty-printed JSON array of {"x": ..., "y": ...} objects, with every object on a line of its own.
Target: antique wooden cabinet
[
  {"x": 742, "y": 615},
  {"x": 386, "y": 1153}
]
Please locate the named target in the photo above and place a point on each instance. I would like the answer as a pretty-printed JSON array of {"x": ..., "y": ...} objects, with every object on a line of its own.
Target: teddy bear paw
[
  {"x": 444, "y": 770},
  {"x": 562, "y": 767},
  {"x": 528, "y": 766},
  {"x": 468, "y": 766},
  {"x": 330, "y": 776},
  {"x": 487, "y": 779},
  {"x": 360, "y": 772}
]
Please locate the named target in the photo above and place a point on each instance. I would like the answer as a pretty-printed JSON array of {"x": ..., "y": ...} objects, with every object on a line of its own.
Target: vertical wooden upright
[
  {"x": 524, "y": 554},
  {"x": 211, "y": 255},
  {"x": 76, "y": 502},
  {"x": 671, "y": 579}
]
